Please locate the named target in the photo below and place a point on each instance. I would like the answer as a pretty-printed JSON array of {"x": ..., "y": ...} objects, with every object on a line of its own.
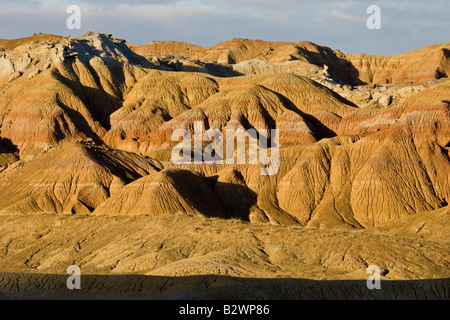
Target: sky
[{"x": 405, "y": 24}]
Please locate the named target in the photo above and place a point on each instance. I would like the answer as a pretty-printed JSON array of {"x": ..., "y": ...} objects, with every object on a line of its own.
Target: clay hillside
[{"x": 87, "y": 179}]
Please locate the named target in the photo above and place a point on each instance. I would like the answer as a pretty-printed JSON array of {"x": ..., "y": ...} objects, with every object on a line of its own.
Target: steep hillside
[
  {"x": 66, "y": 88},
  {"x": 308, "y": 59},
  {"x": 74, "y": 178}
]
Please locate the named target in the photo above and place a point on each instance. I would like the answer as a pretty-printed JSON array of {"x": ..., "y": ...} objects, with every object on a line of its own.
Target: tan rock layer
[
  {"x": 340, "y": 166},
  {"x": 432, "y": 62}
]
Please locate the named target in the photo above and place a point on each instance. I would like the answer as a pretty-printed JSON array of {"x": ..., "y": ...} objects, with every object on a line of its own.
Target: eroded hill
[{"x": 86, "y": 125}]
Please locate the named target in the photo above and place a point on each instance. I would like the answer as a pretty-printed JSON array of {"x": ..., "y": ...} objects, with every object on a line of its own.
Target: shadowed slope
[
  {"x": 208, "y": 287},
  {"x": 74, "y": 178},
  {"x": 432, "y": 62},
  {"x": 66, "y": 87}
]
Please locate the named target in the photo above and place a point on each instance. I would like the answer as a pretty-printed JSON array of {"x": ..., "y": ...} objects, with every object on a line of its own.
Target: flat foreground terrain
[{"x": 194, "y": 257}]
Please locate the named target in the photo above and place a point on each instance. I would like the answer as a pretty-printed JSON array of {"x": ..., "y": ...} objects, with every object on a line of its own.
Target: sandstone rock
[
  {"x": 385, "y": 100},
  {"x": 74, "y": 178},
  {"x": 363, "y": 177},
  {"x": 432, "y": 62},
  {"x": 167, "y": 191}
]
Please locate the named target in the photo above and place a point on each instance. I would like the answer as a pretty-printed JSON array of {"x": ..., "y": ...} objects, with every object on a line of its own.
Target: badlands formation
[{"x": 86, "y": 176}]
